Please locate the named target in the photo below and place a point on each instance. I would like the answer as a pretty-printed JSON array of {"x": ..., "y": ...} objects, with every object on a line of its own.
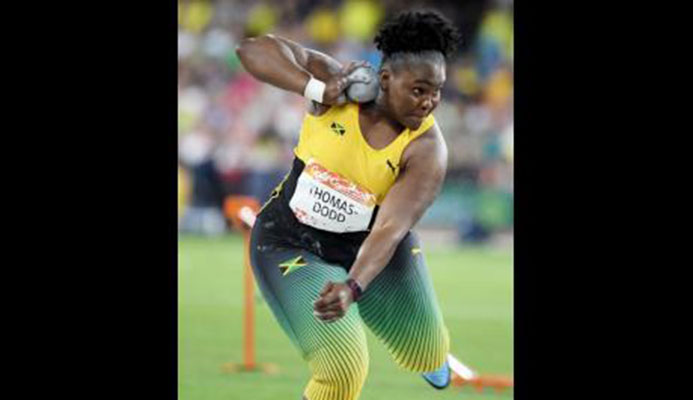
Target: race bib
[{"x": 325, "y": 200}]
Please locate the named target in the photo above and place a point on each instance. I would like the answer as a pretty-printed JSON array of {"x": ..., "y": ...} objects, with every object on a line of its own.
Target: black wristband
[{"x": 356, "y": 290}]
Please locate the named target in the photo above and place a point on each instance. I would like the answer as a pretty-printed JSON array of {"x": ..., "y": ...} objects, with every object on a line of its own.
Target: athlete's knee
[
  {"x": 424, "y": 356},
  {"x": 345, "y": 367},
  {"x": 338, "y": 373}
]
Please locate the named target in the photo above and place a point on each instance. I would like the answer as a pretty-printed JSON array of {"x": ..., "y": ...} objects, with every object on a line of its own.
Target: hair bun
[{"x": 416, "y": 31}]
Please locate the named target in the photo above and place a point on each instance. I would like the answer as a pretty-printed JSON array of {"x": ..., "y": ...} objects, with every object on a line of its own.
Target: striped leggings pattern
[{"x": 399, "y": 307}]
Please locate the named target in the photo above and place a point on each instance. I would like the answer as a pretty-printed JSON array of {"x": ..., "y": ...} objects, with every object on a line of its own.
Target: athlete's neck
[{"x": 378, "y": 111}]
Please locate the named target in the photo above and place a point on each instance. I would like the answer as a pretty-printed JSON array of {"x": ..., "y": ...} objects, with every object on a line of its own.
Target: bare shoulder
[{"x": 429, "y": 150}]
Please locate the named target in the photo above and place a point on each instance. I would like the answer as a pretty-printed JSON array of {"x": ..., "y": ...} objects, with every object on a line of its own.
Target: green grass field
[{"x": 474, "y": 287}]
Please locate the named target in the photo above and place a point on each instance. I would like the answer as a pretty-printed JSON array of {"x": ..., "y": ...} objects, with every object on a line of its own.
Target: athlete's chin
[{"x": 413, "y": 123}]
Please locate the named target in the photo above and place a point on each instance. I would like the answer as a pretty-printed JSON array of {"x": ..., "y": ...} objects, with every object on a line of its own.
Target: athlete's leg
[
  {"x": 401, "y": 309},
  {"x": 290, "y": 280}
]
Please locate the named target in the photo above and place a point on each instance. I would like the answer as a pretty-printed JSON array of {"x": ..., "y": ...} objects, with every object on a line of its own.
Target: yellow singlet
[{"x": 334, "y": 141}]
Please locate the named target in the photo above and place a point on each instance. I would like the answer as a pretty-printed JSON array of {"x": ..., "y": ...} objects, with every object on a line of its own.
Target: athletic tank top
[
  {"x": 329, "y": 200},
  {"x": 334, "y": 140}
]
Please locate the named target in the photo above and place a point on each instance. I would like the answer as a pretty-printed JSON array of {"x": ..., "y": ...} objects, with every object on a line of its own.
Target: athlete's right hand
[
  {"x": 333, "y": 302},
  {"x": 335, "y": 86}
]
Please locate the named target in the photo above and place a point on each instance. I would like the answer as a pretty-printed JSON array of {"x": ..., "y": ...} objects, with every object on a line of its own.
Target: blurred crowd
[{"x": 236, "y": 135}]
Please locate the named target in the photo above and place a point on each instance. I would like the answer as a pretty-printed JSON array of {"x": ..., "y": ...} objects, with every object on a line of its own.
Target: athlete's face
[{"x": 412, "y": 91}]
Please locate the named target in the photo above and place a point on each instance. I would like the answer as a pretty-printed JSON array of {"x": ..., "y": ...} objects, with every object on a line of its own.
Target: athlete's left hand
[{"x": 333, "y": 302}]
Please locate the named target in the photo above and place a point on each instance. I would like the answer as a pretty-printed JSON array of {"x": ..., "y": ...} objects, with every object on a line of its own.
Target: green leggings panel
[{"x": 399, "y": 307}]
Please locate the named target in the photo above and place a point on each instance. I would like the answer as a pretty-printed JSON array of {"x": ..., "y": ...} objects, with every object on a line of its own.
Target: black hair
[{"x": 420, "y": 31}]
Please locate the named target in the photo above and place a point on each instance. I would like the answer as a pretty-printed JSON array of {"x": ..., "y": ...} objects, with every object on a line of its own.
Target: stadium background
[{"x": 236, "y": 137}]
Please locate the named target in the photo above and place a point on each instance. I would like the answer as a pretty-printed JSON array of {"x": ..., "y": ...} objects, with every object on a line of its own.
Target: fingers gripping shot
[
  {"x": 332, "y": 249},
  {"x": 365, "y": 85}
]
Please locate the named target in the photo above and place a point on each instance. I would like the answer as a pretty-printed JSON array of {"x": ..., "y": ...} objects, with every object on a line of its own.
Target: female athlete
[{"x": 332, "y": 249}]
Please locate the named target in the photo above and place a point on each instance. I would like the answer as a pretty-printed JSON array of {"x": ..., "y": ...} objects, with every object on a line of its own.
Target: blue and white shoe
[{"x": 439, "y": 379}]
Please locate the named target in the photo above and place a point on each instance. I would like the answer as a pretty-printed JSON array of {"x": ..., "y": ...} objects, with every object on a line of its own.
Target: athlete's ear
[{"x": 385, "y": 77}]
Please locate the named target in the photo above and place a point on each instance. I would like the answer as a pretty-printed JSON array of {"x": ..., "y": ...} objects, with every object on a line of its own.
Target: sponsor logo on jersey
[{"x": 392, "y": 167}]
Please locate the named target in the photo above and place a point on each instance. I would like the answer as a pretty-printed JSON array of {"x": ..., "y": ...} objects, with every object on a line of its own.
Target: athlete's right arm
[{"x": 287, "y": 65}]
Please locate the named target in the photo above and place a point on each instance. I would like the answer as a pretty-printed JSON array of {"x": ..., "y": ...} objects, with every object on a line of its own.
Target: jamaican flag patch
[
  {"x": 292, "y": 265},
  {"x": 338, "y": 129}
]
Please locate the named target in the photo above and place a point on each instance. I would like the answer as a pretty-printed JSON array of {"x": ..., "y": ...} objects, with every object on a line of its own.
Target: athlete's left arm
[{"x": 422, "y": 172}]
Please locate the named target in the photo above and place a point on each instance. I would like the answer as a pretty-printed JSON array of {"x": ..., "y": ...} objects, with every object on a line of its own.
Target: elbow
[
  {"x": 249, "y": 47},
  {"x": 252, "y": 43},
  {"x": 245, "y": 47}
]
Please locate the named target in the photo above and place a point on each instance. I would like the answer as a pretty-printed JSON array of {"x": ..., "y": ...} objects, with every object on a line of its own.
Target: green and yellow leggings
[{"x": 399, "y": 307}]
